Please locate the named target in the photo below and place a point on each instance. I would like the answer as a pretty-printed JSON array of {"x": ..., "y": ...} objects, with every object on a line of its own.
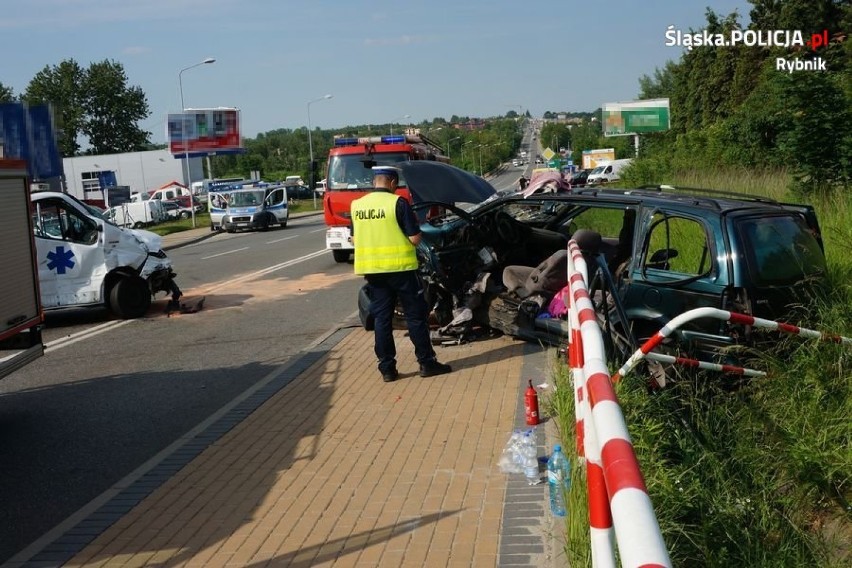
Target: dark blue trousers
[{"x": 384, "y": 291}]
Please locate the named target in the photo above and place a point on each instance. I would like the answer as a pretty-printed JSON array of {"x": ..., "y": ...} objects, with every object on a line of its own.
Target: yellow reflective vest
[{"x": 380, "y": 244}]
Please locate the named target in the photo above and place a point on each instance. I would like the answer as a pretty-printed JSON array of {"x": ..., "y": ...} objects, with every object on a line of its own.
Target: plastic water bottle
[
  {"x": 558, "y": 480},
  {"x": 510, "y": 461},
  {"x": 530, "y": 459}
]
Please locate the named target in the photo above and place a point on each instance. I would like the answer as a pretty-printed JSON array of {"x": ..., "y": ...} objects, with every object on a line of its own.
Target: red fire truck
[{"x": 350, "y": 176}]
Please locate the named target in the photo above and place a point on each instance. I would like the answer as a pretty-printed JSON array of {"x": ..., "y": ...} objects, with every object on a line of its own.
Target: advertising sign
[
  {"x": 637, "y": 117},
  {"x": 592, "y": 157},
  {"x": 27, "y": 133},
  {"x": 200, "y": 132}
]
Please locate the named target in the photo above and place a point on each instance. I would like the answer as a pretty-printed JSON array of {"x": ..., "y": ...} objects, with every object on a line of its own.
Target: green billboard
[{"x": 636, "y": 117}]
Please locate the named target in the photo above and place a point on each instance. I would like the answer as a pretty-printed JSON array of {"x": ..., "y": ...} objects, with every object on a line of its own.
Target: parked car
[
  {"x": 578, "y": 178},
  {"x": 299, "y": 191},
  {"x": 174, "y": 211},
  {"x": 654, "y": 253},
  {"x": 184, "y": 200}
]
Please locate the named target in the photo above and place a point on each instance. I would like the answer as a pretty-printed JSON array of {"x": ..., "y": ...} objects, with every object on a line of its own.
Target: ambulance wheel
[
  {"x": 340, "y": 255},
  {"x": 130, "y": 297}
]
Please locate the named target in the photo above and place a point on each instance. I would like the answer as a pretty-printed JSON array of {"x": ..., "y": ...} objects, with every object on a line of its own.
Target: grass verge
[{"x": 755, "y": 473}]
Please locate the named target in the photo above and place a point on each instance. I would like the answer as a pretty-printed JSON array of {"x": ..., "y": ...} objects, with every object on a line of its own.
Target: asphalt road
[{"x": 109, "y": 394}]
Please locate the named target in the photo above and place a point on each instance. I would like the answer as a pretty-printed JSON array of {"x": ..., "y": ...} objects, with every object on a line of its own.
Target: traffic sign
[{"x": 548, "y": 154}]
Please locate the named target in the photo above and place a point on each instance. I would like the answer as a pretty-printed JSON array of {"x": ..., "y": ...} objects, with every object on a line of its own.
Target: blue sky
[{"x": 380, "y": 60}]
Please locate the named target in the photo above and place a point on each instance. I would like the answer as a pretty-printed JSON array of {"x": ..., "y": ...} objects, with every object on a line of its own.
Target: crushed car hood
[{"x": 437, "y": 181}]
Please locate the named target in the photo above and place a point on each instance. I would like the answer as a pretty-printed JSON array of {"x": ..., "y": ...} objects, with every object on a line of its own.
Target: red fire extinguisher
[{"x": 531, "y": 405}]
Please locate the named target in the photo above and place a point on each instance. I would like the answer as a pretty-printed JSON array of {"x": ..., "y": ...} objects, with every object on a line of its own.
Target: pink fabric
[
  {"x": 552, "y": 178},
  {"x": 557, "y": 307}
]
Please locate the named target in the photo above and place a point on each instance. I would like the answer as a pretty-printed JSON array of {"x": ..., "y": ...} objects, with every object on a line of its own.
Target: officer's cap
[{"x": 386, "y": 171}]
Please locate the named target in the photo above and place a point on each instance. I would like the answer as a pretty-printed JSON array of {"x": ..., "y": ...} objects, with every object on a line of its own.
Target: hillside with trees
[{"x": 732, "y": 107}]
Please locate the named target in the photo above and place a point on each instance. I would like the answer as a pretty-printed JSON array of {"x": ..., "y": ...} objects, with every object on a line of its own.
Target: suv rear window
[{"x": 781, "y": 250}]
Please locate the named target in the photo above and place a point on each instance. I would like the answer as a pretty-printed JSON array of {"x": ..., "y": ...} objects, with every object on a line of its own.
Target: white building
[{"x": 142, "y": 171}]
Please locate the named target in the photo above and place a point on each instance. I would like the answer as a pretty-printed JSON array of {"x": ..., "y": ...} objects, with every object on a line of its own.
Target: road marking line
[
  {"x": 261, "y": 272},
  {"x": 223, "y": 253},
  {"x": 111, "y": 325},
  {"x": 318, "y": 230},
  {"x": 279, "y": 240},
  {"x": 81, "y": 335}
]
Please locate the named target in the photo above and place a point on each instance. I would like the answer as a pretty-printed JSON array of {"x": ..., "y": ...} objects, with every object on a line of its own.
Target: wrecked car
[
  {"x": 497, "y": 261},
  {"x": 86, "y": 260}
]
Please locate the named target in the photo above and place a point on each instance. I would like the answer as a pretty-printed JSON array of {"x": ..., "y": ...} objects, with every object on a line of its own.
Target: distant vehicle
[
  {"x": 606, "y": 172},
  {"x": 578, "y": 178},
  {"x": 517, "y": 163},
  {"x": 174, "y": 211},
  {"x": 183, "y": 203},
  {"x": 250, "y": 208},
  {"x": 137, "y": 214}
]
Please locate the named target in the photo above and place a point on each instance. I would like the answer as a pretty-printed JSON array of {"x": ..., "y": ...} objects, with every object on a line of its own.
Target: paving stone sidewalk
[{"x": 326, "y": 465}]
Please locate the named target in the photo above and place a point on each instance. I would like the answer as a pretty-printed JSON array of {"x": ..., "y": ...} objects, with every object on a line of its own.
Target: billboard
[
  {"x": 637, "y": 117},
  {"x": 28, "y": 133},
  {"x": 592, "y": 157},
  {"x": 200, "y": 132}
]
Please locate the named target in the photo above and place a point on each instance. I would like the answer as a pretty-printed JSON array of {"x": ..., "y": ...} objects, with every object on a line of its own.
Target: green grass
[{"x": 749, "y": 473}]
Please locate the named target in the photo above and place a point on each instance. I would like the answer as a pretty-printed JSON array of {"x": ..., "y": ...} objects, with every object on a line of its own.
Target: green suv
[{"x": 655, "y": 252}]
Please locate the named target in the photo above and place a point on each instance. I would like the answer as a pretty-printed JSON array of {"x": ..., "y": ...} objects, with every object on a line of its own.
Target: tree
[
  {"x": 7, "y": 95},
  {"x": 113, "y": 110},
  {"x": 661, "y": 85},
  {"x": 60, "y": 86}
]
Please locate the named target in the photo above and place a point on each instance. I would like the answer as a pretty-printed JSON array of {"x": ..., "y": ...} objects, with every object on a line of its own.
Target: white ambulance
[{"x": 86, "y": 260}]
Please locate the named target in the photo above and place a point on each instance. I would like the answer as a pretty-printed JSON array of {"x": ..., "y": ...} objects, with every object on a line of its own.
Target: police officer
[{"x": 385, "y": 232}]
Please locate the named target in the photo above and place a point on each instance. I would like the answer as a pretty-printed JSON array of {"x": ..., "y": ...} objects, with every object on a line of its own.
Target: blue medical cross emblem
[{"x": 60, "y": 260}]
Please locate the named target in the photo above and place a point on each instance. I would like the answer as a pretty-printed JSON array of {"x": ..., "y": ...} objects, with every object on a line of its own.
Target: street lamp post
[
  {"x": 311, "y": 179},
  {"x": 462, "y": 151},
  {"x": 481, "y": 146},
  {"x": 183, "y": 136},
  {"x": 405, "y": 116},
  {"x": 450, "y": 141}
]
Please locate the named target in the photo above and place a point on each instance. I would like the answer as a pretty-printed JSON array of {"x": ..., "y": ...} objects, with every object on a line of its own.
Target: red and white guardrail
[
  {"x": 645, "y": 351},
  {"x": 618, "y": 498}
]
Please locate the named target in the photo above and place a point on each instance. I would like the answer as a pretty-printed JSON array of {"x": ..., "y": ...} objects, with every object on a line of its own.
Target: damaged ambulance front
[{"x": 85, "y": 260}]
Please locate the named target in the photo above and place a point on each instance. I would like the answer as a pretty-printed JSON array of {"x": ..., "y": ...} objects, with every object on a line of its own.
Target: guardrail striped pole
[
  {"x": 724, "y": 315},
  {"x": 607, "y": 443},
  {"x": 601, "y": 533}
]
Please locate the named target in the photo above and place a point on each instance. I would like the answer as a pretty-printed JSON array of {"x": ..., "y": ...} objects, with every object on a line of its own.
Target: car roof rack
[{"x": 707, "y": 192}]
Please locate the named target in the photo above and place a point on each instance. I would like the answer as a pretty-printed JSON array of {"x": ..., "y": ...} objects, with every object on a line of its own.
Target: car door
[
  {"x": 276, "y": 203},
  {"x": 674, "y": 270},
  {"x": 70, "y": 255}
]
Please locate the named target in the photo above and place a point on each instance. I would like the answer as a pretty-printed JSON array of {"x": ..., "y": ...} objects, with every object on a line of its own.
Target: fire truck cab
[{"x": 350, "y": 176}]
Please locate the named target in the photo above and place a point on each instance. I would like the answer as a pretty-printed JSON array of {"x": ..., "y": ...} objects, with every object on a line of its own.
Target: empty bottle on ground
[
  {"x": 558, "y": 480},
  {"x": 530, "y": 456}
]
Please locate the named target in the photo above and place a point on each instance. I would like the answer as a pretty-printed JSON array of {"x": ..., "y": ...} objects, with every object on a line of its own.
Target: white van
[
  {"x": 86, "y": 260},
  {"x": 138, "y": 213},
  {"x": 607, "y": 171}
]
